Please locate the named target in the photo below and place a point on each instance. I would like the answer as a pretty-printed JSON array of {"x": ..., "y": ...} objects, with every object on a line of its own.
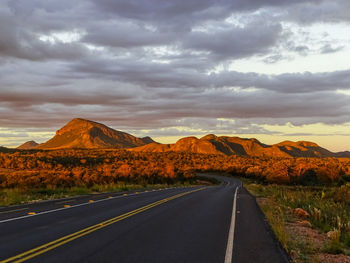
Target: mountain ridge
[
  {"x": 82, "y": 133},
  {"x": 212, "y": 144},
  {"x": 28, "y": 145}
]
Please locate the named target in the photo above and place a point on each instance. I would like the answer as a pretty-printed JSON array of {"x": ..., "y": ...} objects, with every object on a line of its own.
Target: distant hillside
[
  {"x": 6, "y": 150},
  {"x": 345, "y": 154},
  {"x": 211, "y": 144},
  {"x": 304, "y": 149},
  {"x": 28, "y": 145},
  {"x": 80, "y": 133}
]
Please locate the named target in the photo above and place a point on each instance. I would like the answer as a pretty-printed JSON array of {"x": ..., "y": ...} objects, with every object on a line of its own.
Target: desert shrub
[{"x": 308, "y": 178}]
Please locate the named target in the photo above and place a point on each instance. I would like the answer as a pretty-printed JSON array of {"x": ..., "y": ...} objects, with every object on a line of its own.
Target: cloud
[
  {"x": 292, "y": 83},
  {"x": 320, "y": 11},
  {"x": 126, "y": 34},
  {"x": 236, "y": 42},
  {"x": 161, "y": 107},
  {"x": 166, "y": 65},
  {"x": 19, "y": 41},
  {"x": 186, "y": 12},
  {"x": 328, "y": 48}
]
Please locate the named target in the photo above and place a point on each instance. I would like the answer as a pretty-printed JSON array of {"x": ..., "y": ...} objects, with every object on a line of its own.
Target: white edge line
[
  {"x": 231, "y": 233},
  {"x": 63, "y": 208}
]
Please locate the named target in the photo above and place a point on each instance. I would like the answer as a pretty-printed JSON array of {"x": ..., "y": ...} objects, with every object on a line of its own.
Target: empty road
[{"x": 196, "y": 224}]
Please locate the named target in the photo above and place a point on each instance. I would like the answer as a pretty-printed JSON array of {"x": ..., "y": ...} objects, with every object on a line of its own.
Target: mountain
[
  {"x": 212, "y": 144},
  {"x": 28, "y": 145},
  {"x": 81, "y": 133},
  {"x": 345, "y": 154},
  {"x": 6, "y": 150},
  {"x": 304, "y": 149}
]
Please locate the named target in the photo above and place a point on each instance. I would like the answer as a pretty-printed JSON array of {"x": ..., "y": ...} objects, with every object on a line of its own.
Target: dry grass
[
  {"x": 12, "y": 196},
  {"x": 329, "y": 210}
]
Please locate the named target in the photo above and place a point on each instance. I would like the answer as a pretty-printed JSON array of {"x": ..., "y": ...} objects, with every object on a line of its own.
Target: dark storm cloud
[{"x": 159, "y": 64}]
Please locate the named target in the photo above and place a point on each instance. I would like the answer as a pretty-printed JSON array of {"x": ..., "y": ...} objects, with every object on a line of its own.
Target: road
[{"x": 194, "y": 224}]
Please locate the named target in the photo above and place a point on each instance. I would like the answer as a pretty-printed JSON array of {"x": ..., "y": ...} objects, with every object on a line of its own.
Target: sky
[{"x": 270, "y": 69}]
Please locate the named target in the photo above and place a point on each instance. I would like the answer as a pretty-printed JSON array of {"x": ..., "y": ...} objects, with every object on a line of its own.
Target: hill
[
  {"x": 211, "y": 144},
  {"x": 28, "y": 145},
  {"x": 6, "y": 150},
  {"x": 81, "y": 133},
  {"x": 345, "y": 154},
  {"x": 304, "y": 149}
]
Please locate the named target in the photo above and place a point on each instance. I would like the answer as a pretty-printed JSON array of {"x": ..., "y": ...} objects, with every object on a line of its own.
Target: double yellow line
[{"x": 63, "y": 240}]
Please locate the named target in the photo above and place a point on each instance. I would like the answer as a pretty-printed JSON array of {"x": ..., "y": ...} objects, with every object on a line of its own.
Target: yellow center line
[
  {"x": 65, "y": 239},
  {"x": 67, "y": 201},
  {"x": 15, "y": 210}
]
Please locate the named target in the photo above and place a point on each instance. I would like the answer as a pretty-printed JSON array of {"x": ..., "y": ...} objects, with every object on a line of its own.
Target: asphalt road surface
[{"x": 196, "y": 224}]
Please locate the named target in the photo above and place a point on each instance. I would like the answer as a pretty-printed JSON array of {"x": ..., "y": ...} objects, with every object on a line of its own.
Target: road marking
[
  {"x": 15, "y": 210},
  {"x": 65, "y": 239},
  {"x": 62, "y": 202},
  {"x": 231, "y": 233},
  {"x": 59, "y": 209}
]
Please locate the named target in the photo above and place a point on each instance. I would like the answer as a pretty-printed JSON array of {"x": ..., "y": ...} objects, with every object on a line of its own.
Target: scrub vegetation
[
  {"x": 19, "y": 195},
  {"x": 87, "y": 167},
  {"x": 54, "y": 173},
  {"x": 318, "y": 186},
  {"x": 311, "y": 222}
]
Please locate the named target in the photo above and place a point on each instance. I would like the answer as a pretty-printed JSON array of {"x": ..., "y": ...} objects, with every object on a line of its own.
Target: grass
[
  {"x": 13, "y": 196},
  {"x": 333, "y": 247},
  {"x": 329, "y": 209},
  {"x": 276, "y": 219}
]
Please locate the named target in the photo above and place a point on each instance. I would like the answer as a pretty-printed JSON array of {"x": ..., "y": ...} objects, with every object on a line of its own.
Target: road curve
[{"x": 173, "y": 225}]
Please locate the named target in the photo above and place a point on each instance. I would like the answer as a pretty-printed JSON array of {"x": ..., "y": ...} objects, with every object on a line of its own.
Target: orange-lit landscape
[
  {"x": 175, "y": 131},
  {"x": 84, "y": 152},
  {"x": 87, "y": 156}
]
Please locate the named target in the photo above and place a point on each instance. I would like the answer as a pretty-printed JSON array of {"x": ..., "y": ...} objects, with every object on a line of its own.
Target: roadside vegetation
[
  {"x": 311, "y": 222},
  {"x": 37, "y": 174},
  {"x": 320, "y": 187},
  {"x": 88, "y": 167},
  {"x": 20, "y": 195}
]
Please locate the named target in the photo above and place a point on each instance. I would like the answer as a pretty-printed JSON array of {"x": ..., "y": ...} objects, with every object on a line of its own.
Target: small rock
[
  {"x": 301, "y": 213},
  {"x": 304, "y": 223}
]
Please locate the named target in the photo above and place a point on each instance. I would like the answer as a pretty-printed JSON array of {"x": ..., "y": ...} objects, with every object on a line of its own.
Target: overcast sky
[{"x": 271, "y": 69}]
